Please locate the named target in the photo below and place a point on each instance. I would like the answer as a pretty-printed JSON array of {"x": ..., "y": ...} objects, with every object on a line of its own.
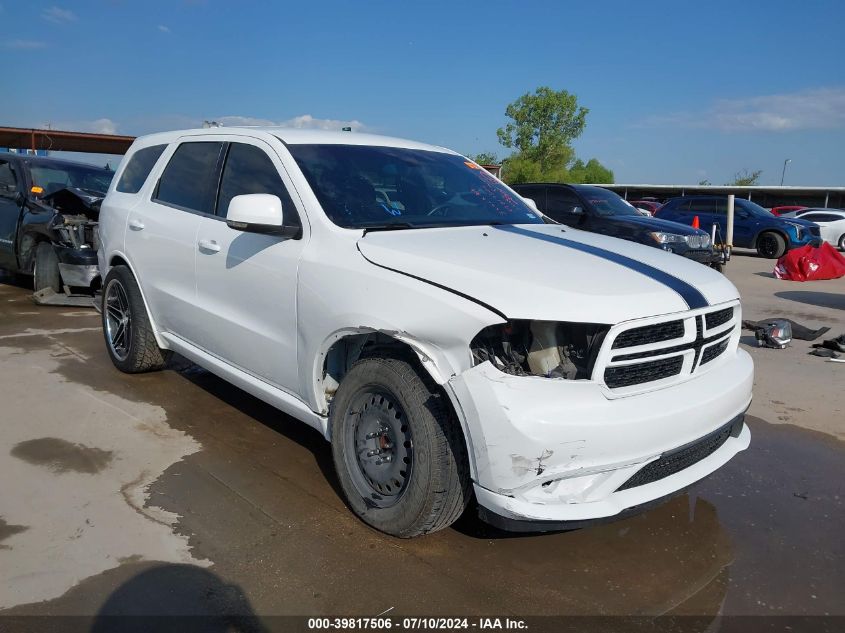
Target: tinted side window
[
  {"x": 249, "y": 170},
  {"x": 560, "y": 200},
  {"x": 676, "y": 206},
  {"x": 8, "y": 182},
  {"x": 714, "y": 206},
  {"x": 821, "y": 217},
  {"x": 188, "y": 179},
  {"x": 537, "y": 194},
  {"x": 138, "y": 168}
]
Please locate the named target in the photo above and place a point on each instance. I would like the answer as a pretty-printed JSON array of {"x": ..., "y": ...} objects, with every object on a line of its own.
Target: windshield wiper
[{"x": 393, "y": 226}]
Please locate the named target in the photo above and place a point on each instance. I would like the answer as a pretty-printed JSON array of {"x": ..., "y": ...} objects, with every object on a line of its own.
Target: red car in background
[
  {"x": 649, "y": 205},
  {"x": 783, "y": 209}
]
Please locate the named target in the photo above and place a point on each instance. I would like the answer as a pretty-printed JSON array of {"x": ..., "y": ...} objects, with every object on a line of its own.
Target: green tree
[
  {"x": 485, "y": 158},
  {"x": 591, "y": 172},
  {"x": 745, "y": 178},
  {"x": 542, "y": 127}
]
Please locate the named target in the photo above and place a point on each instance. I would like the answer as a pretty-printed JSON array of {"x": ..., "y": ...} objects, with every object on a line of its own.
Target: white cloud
[
  {"x": 304, "y": 121},
  {"x": 96, "y": 126},
  {"x": 163, "y": 28},
  {"x": 58, "y": 15},
  {"x": 821, "y": 108},
  {"x": 24, "y": 45}
]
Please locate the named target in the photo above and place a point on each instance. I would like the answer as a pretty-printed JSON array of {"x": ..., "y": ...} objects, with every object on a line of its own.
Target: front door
[
  {"x": 246, "y": 282},
  {"x": 10, "y": 213}
]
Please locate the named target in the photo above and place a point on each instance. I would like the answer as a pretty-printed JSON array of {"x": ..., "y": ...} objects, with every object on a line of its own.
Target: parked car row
[
  {"x": 599, "y": 210},
  {"x": 754, "y": 227}
]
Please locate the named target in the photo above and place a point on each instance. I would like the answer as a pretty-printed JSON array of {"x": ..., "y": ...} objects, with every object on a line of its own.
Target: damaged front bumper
[
  {"x": 78, "y": 266},
  {"x": 557, "y": 451}
]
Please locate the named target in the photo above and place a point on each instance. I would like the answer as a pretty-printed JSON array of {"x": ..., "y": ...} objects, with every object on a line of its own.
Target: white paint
[
  {"x": 80, "y": 525},
  {"x": 263, "y": 312}
]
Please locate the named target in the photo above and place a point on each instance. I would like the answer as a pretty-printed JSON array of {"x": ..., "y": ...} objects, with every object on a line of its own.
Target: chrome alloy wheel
[{"x": 118, "y": 319}]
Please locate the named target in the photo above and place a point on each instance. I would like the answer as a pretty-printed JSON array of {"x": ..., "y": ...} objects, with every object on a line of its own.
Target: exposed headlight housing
[{"x": 553, "y": 349}]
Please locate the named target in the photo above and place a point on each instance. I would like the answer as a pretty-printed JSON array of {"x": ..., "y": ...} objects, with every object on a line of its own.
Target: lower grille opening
[{"x": 683, "y": 457}]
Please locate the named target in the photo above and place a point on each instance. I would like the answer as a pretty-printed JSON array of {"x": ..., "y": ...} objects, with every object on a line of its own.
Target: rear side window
[
  {"x": 188, "y": 181},
  {"x": 537, "y": 194},
  {"x": 249, "y": 170},
  {"x": 138, "y": 168},
  {"x": 561, "y": 200},
  {"x": 821, "y": 217},
  {"x": 714, "y": 206}
]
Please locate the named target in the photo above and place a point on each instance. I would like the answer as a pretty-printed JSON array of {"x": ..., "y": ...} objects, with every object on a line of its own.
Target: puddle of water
[
  {"x": 62, "y": 456},
  {"x": 7, "y": 530}
]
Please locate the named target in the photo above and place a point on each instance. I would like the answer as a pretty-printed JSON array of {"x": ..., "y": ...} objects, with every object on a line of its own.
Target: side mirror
[
  {"x": 531, "y": 203},
  {"x": 258, "y": 213}
]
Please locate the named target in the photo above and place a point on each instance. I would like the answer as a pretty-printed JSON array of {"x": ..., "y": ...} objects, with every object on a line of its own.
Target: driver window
[
  {"x": 249, "y": 170},
  {"x": 563, "y": 205}
]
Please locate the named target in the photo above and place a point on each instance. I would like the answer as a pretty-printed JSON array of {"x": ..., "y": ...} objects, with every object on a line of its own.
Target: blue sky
[{"x": 677, "y": 91}]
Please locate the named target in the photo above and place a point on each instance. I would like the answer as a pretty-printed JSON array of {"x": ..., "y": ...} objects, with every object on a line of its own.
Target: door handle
[
  {"x": 209, "y": 245},
  {"x": 136, "y": 225}
]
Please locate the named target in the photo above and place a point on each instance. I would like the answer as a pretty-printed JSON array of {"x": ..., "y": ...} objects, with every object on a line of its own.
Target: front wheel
[
  {"x": 126, "y": 327},
  {"x": 399, "y": 454},
  {"x": 841, "y": 243},
  {"x": 46, "y": 272},
  {"x": 771, "y": 245}
]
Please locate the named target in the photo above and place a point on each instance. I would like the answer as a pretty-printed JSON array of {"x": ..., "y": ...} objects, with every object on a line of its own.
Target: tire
[
  {"x": 771, "y": 245},
  {"x": 46, "y": 271},
  {"x": 718, "y": 267},
  {"x": 127, "y": 331},
  {"x": 841, "y": 242},
  {"x": 383, "y": 404}
]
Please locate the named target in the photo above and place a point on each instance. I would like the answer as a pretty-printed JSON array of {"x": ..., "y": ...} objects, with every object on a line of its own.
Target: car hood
[
  {"x": 651, "y": 224},
  {"x": 799, "y": 221},
  {"x": 548, "y": 272}
]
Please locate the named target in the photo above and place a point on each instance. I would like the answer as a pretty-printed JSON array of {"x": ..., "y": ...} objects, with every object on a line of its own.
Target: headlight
[
  {"x": 552, "y": 349},
  {"x": 797, "y": 228},
  {"x": 667, "y": 238},
  {"x": 699, "y": 240}
]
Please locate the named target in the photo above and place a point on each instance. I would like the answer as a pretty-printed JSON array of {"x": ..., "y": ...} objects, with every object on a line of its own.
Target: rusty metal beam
[{"x": 64, "y": 140}]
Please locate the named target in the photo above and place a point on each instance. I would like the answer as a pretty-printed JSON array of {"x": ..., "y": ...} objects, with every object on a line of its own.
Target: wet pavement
[{"x": 260, "y": 513}]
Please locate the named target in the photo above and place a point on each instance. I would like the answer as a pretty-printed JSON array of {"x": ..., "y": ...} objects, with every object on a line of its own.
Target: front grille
[
  {"x": 815, "y": 231},
  {"x": 715, "y": 319},
  {"x": 627, "y": 375},
  {"x": 681, "y": 458},
  {"x": 649, "y": 334},
  {"x": 712, "y": 352}
]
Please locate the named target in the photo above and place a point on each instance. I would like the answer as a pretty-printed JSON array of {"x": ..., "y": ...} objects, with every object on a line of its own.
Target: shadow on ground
[{"x": 814, "y": 298}]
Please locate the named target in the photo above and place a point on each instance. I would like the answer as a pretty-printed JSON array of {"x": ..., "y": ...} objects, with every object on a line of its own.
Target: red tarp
[{"x": 811, "y": 264}]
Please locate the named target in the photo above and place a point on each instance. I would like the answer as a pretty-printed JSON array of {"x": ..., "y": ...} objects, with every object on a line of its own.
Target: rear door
[
  {"x": 10, "y": 212},
  {"x": 161, "y": 232},
  {"x": 246, "y": 282}
]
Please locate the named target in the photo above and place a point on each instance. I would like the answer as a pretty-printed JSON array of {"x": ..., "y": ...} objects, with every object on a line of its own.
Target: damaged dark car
[{"x": 49, "y": 210}]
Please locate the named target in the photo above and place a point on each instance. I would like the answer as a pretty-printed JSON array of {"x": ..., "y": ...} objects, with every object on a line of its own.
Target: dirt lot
[{"x": 177, "y": 493}]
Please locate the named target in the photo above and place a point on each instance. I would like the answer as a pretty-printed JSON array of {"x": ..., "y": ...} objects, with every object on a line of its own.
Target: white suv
[{"x": 424, "y": 318}]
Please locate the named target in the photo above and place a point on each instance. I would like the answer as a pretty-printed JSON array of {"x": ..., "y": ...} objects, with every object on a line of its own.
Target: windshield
[
  {"x": 54, "y": 176},
  {"x": 755, "y": 209},
  {"x": 388, "y": 187},
  {"x": 605, "y": 202}
]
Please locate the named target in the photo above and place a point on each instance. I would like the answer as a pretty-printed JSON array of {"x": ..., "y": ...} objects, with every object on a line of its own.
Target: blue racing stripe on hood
[{"x": 694, "y": 299}]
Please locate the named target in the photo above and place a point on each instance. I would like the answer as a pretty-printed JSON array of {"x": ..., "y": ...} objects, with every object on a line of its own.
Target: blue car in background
[{"x": 754, "y": 227}]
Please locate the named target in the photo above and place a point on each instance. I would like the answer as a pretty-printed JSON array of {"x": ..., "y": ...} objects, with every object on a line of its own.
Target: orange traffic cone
[{"x": 695, "y": 223}]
